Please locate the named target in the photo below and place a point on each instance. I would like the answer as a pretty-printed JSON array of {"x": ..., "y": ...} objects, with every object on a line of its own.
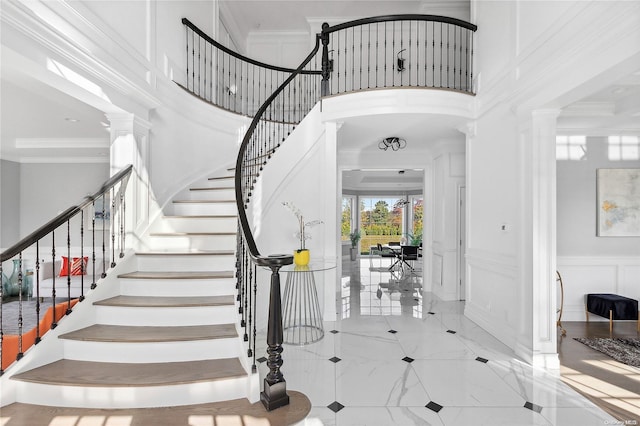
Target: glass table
[{"x": 301, "y": 312}]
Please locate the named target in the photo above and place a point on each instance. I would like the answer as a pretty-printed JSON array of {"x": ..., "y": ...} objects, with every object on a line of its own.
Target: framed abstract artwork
[{"x": 618, "y": 199}]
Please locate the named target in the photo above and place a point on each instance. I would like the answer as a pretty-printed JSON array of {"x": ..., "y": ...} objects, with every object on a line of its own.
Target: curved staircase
[{"x": 171, "y": 337}]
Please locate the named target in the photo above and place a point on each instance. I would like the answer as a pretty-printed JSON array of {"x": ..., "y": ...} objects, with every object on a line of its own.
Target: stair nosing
[
  {"x": 202, "y": 216},
  {"x": 227, "y": 188},
  {"x": 190, "y": 234}
]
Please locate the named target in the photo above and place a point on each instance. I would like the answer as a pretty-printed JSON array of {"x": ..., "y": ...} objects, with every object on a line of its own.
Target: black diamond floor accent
[
  {"x": 408, "y": 359},
  {"x": 434, "y": 406},
  {"x": 482, "y": 359},
  {"x": 431, "y": 313},
  {"x": 334, "y": 332},
  {"x": 335, "y": 359},
  {"x": 533, "y": 407},
  {"x": 451, "y": 332},
  {"x": 335, "y": 406},
  {"x": 392, "y": 331},
  {"x": 261, "y": 359}
]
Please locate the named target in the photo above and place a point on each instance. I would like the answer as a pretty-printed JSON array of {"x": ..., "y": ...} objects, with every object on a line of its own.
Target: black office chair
[{"x": 408, "y": 254}]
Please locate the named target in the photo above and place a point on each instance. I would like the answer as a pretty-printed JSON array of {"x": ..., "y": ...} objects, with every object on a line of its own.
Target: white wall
[
  {"x": 576, "y": 194},
  {"x": 48, "y": 189},
  {"x": 9, "y": 203}
]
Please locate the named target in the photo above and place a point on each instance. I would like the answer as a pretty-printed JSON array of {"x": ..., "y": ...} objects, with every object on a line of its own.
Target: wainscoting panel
[
  {"x": 583, "y": 275},
  {"x": 492, "y": 294}
]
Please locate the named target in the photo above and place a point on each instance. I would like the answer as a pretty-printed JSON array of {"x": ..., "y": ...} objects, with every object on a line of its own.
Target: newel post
[
  {"x": 326, "y": 65},
  {"x": 274, "y": 394}
]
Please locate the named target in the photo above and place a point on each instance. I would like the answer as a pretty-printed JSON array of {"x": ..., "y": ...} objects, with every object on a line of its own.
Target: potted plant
[
  {"x": 301, "y": 255},
  {"x": 354, "y": 237}
]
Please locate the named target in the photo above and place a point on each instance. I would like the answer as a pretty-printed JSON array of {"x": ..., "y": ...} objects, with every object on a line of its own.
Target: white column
[
  {"x": 130, "y": 145},
  {"x": 333, "y": 248},
  {"x": 538, "y": 256}
]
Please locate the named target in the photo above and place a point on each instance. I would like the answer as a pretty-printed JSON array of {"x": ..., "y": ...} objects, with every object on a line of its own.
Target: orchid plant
[{"x": 302, "y": 235}]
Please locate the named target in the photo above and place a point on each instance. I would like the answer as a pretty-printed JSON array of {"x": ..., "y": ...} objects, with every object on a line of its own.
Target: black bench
[{"x": 612, "y": 306}]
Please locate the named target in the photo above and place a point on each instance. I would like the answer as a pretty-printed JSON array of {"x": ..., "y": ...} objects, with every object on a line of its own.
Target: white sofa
[{"x": 46, "y": 280}]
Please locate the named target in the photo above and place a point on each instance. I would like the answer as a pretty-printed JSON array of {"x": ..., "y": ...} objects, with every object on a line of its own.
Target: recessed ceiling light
[{"x": 72, "y": 120}]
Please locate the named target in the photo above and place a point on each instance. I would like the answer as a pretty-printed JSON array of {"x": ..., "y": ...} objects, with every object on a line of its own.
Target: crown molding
[
  {"x": 63, "y": 37},
  {"x": 71, "y": 143},
  {"x": 62, "y": 160}
]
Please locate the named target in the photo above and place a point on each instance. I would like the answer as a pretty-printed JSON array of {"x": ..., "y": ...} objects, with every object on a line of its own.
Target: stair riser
[
  {"x": 211, "y": 194},
  {"x": 132, "y": 397},
  {"x": 197, "y": 242},
  {"x": 197, "y": 224},
  {"x": 213, "y": 209},
  {"x": 195, "y": 350},
  {"x": 184, "y": 263},
  {"x": 160, "y": 288},
  {"x": 116, "y": 315}
]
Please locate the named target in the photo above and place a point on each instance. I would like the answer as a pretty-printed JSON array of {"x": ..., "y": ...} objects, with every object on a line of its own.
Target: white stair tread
[
  {"x": 187, "y": 253},
  {"x": 218, "y": 188},
  {"x": 136, "y": 334},
  {"x": 108, "y": 374},
  {"x": 189, "y": 234},
  {"x": 203, "y": 201}
]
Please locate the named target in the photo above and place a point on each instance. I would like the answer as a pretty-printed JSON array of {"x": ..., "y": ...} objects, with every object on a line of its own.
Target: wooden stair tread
[
  {"x": 109, "y": 374},
  {"x": 135, "y": 334},
  {"x": 203, "y": 201},
  {"x": 187, "y": 253},
  {"x": 166, "y": 302},
  {"x": 178, "y": 275}
]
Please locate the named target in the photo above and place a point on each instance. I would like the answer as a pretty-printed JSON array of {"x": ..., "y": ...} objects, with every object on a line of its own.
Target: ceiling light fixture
[
  {"x": 394, "y": 142},
  {"x": 71, "y": 120}
]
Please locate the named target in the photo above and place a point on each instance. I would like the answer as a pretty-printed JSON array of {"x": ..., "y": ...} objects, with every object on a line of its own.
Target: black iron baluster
[
  {"x": 353, "y": 57},
  {"x": 385, "y": 55},
  {"x": 433, "y": 54},
  {"x": 104, "y": 238},
  {"x": 123, "y": 217},
  {"x": 186, "y": 34},
  {"x": 54, "y": 324},
  {"x": 247, "y": 317},
  {"x": 69, "y": 266},
  {"x": 448, "y": 55},
  {"x": 112, "y": 227},
  {"x": 199, "y": 66},
  {"x": 20, "y": 318},
  {"x": 441, "y": 61},
  {"x": 37, "y": 340},
  {"x": 255, "y": 296},
  {"x": 93, "y": 243},
  {"x": 204, "y": 71},
  {"x": 193, "y": 61},
  {"x": 83, "y": 269}
]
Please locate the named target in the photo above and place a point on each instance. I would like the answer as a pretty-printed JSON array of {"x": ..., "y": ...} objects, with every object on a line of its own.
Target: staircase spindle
[
  {"x": 37, "y": 340},
  {"x": 83, "y": 269},
  {"x": 1, "y": 324},
  {"x": 20, "y": 319},
  {"x": 54, "y": 324},
  {"x": 69, "y": 265},
  {"x": 93, "y": 243},
  {"x": 112, "y": 229},
  {"x": 104, "y": 238}
]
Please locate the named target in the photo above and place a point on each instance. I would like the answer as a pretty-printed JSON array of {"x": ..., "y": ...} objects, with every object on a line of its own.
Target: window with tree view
[
  {"x": 381, "y": 221},
  {"x": 347, "y": 218}
]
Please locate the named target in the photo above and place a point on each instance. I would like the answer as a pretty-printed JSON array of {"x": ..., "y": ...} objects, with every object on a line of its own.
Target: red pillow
[{"x": 78, "y": 267}]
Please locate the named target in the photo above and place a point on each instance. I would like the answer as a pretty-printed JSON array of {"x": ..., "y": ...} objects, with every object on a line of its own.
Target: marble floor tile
[
  {"x": 387, "y": 416},
  {"x": 442, "y": 345},
  {"x": 493, "y": 416},
  {"x": 319, "y": 416},
  {"x": 361, "y": 347},
  {"x": 586, "y": 416},
  {"x": 314, "y": 378},
  {"x": 389, "y": 383},
  {"x": 465, "y": 383}
]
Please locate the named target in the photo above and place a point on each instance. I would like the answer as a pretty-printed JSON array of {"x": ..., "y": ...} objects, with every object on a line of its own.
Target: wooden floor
[
  {"x": 229, "y": 413},
  {"x": 608, "y": 383}
]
